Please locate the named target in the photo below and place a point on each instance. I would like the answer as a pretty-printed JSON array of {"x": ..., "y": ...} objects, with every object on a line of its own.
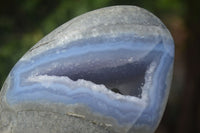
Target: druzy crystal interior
[{"x": 111, "y": 67}]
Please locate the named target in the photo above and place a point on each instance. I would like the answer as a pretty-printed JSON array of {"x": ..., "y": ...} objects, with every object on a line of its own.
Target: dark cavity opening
[{"x": 125, "y": 79}]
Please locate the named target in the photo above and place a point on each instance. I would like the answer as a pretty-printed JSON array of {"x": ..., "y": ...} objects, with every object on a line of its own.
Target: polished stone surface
[{"x": 111, "y": 67}]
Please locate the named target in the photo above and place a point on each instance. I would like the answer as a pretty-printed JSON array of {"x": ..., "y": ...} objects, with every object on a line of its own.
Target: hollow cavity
[{"x": 122, "y": 71}]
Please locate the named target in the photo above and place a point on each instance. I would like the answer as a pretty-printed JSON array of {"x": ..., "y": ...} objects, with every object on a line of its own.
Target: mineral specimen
[{"x": 108, "y": 70}]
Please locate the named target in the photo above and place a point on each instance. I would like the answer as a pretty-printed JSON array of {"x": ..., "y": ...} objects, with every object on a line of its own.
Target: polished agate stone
[{"x": 108, "y": 70}]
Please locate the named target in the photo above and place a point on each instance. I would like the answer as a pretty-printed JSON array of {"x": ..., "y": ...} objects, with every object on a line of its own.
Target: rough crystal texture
[{"x": 108, "y": 70}]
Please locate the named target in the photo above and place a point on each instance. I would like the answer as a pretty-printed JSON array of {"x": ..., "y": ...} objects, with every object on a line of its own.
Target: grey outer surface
[{"x": 57, "y": 118}]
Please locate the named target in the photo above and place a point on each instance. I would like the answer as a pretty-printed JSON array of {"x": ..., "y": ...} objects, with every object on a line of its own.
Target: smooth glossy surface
[{"x": 111, "y": 67}]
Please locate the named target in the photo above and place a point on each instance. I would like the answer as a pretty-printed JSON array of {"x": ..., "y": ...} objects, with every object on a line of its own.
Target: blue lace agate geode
[{"x": 111, "y": 67}]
